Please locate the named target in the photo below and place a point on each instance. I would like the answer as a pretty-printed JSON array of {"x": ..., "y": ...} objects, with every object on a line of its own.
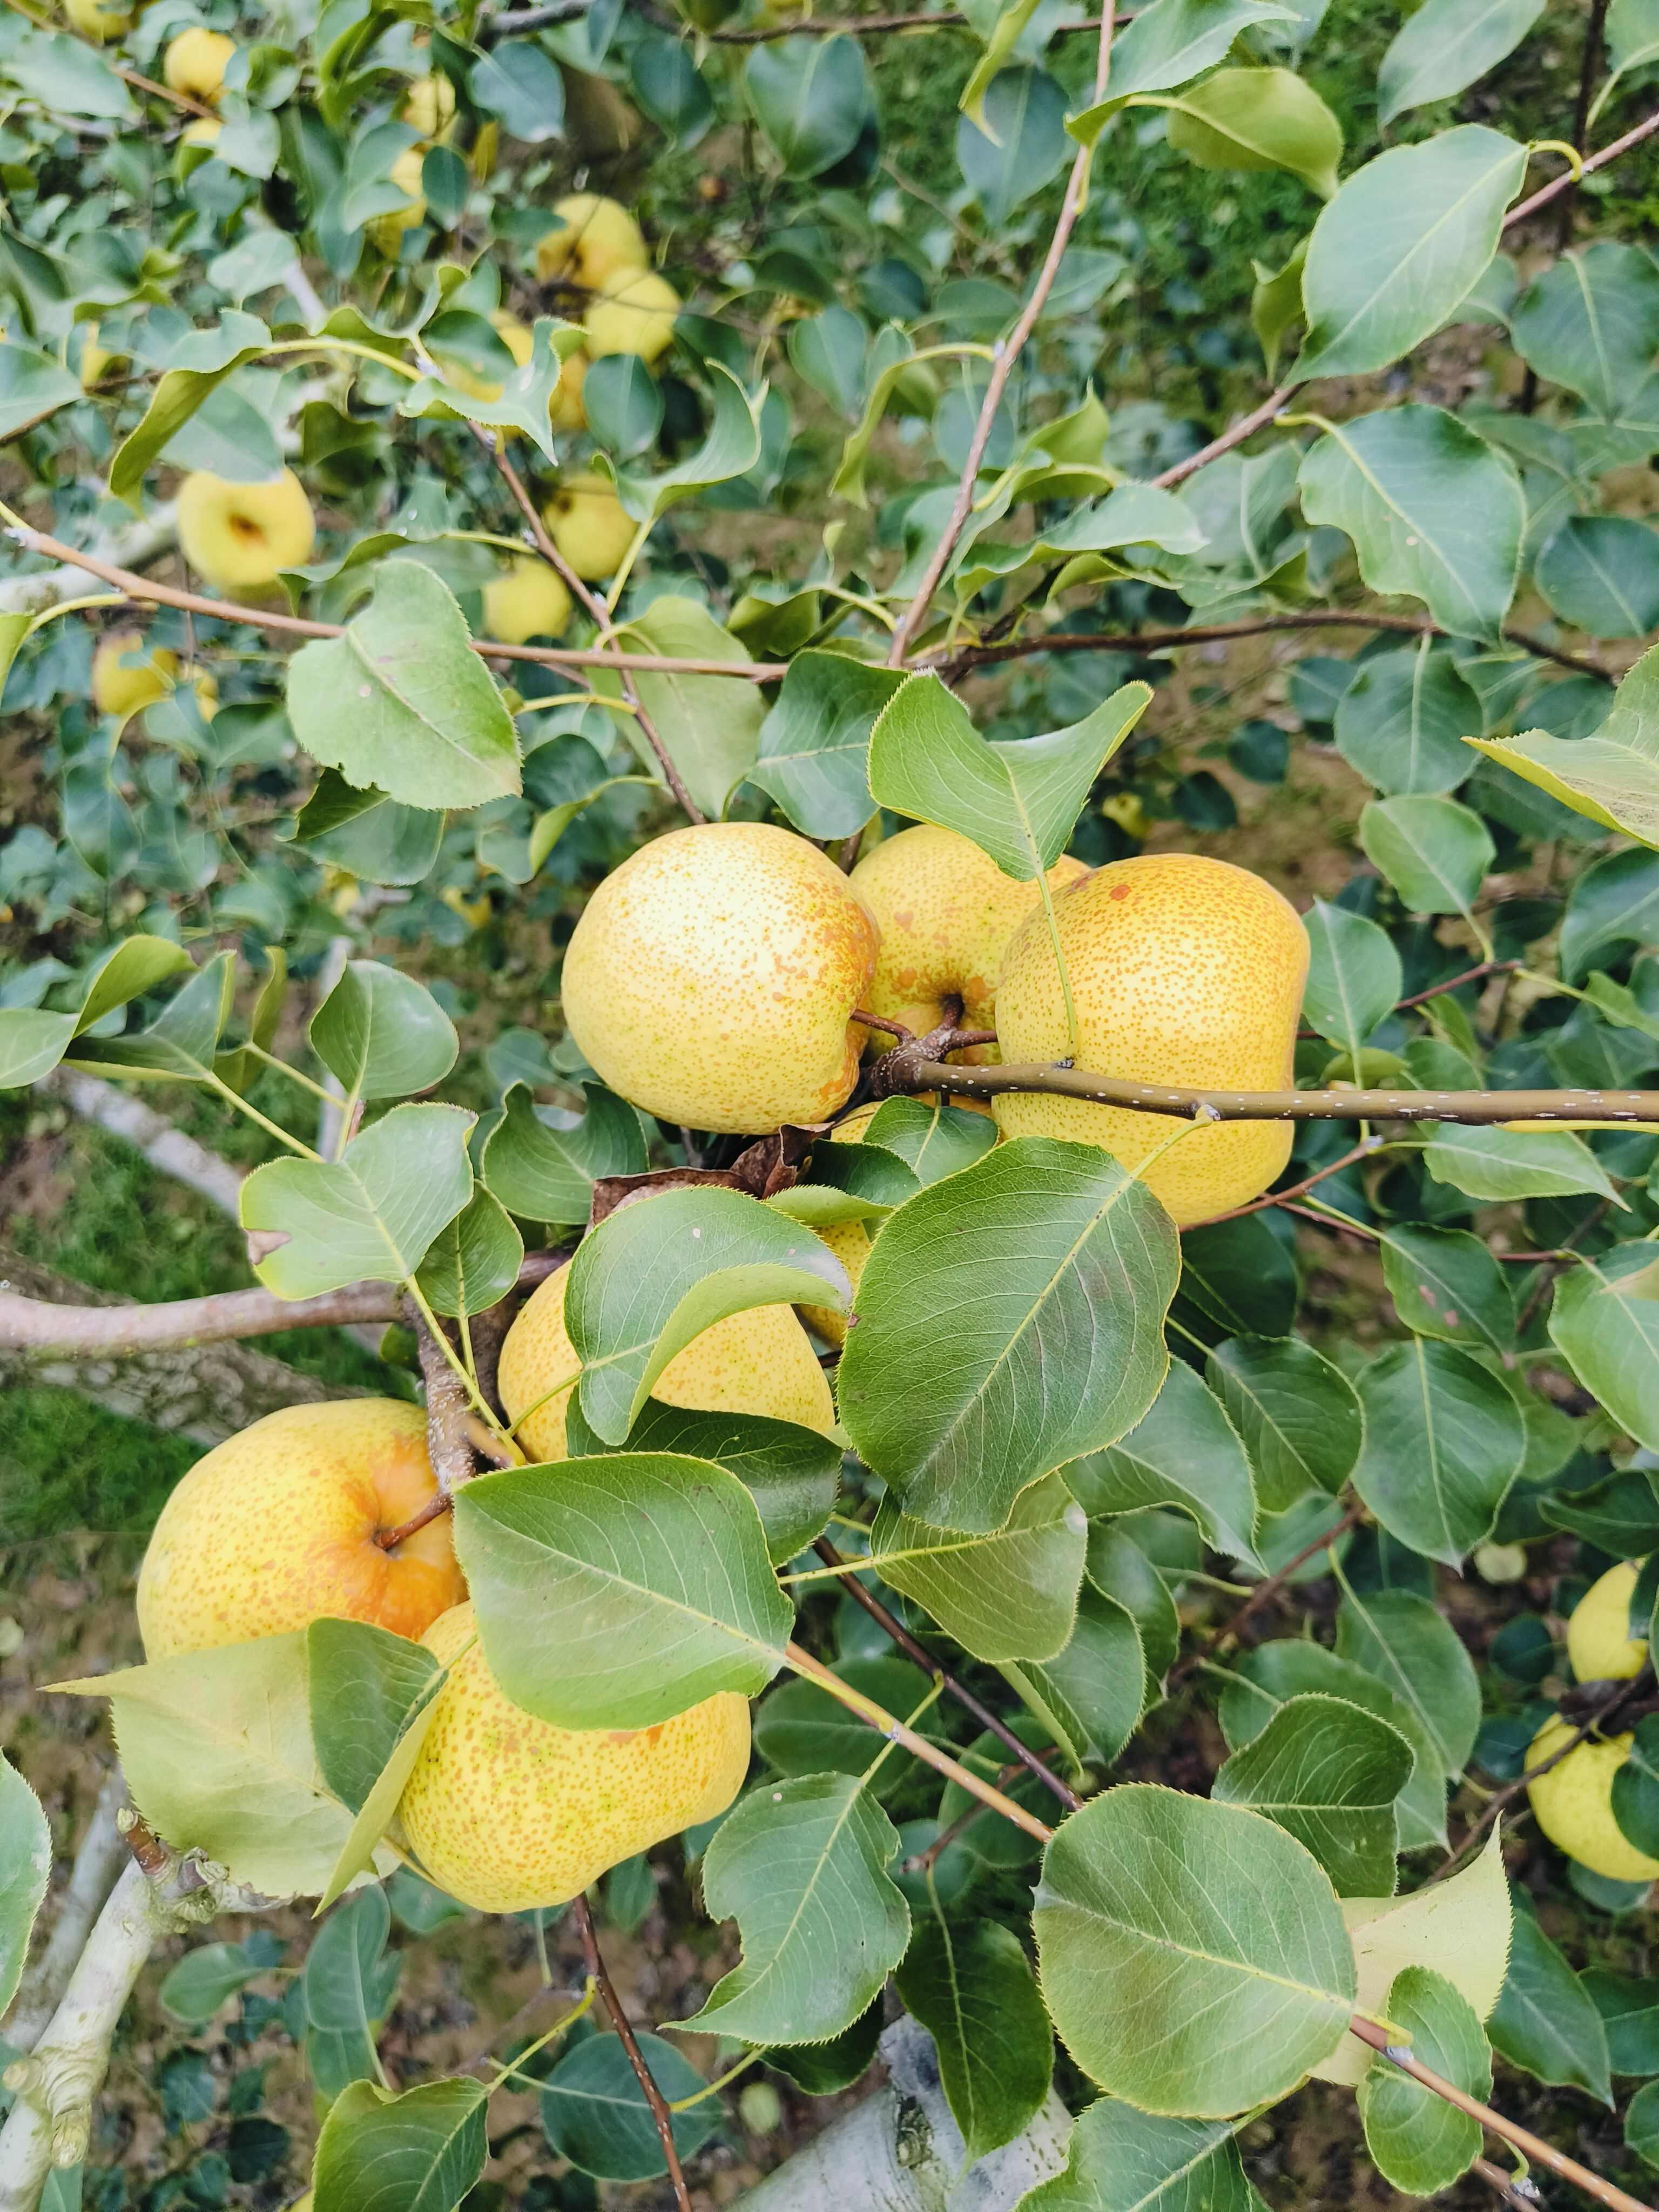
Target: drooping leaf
[
  {"x": 802, "y": 1867},
  {"x": 1418, "y": 2142},
  {"x": 181, "y": 1044},
  {"x": 1255, "y": 118},
  {"x": 1216, "y": 1934},
  {"x": 364, "y": 1685},
  {"x": 1330, "y": 1773},
  {"x": 1008, "y": 1592},
  {"x": 197, "y": 364},
  {"x": 1056, "y": 1267},
  {"x": 972, "y": 1988}
]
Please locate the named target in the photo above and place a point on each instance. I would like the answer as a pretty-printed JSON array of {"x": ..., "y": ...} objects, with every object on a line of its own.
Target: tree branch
[
  {"x": 1263, "y": 1594},
  {"x": 166, "y": 1149},
  {"x": 1567, "y": 182},
  {"x": 1360, "y": 1152},
  {"x": 581, "y": 1913}
]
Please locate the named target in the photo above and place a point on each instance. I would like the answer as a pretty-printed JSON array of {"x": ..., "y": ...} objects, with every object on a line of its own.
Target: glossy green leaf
[
  {"x": 206, "y": 1979},
  {"x": 382, "y": 1033},
  {"x": 1444, "y": 1442},
  {"x": 1418, "y": 2142},
  {"x": 972, "y": 1988},
  {"x": 1635, "y": 1788},
  {"x": 33, "y": 1041},
  {"x": 1445, "y": 47},
  {"x": 1169, "y": 43},
  {"x": 1446, "y": 1284},
  {"x": 474, "y": 1261},
  {"x": 1090, "y": 1695},
  {"x": 594, "y": 2113},
  {"x": 815, "y": 741},
  {"x": 1185, "y": 1452},
  {"x": 543, "y": 1164},
  {"x": 1402, "y": 720},
  {"x": 1604, "y": 1319},
  {"x": 811, "y": 97},
  {"x": 419, "y": 2152},
  {"x": 715, "y": 721},
  {"x": 1612, "y": 776},
  {"x": 1008, "y": 1592},
  {"x": 1354, "y": 975},
  {"x": 1023, "y": 145},
  {"x": 33, "y": 385},
  {"x": 1599, "y": 573},
  {"x": 1590, "y": 321},
  {"x": 1496, "y": 1164},
  {"x": 801, "y": 1728},
  {"x": 1544, "y": 2021},
  {"x": 1434, "y": 852},
  {"x": 1257, "y": 118},
  {"x": 1415, "y": 1652},
  {"x": 1328, "y": 1772},
  {"x": 1120, "y": 2159},
  {"x": 1297, "y": 1413},
  {"x": 25, "y": 1870},
  {"x": 364, "y": 1685}
]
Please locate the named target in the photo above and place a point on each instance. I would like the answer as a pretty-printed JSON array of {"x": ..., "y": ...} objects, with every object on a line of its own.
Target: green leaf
[
  {"x": 1444, "y": 1440},
  {"x": 594, "y": 2111},
  {"x": 1433, "y": 511},
  {"x": 802, "y": 1867},
  {"x": 972, "y": 1988},
  {"x": 1023, "y": 146},
  {"x": 801, "y": 1728},
  {"x": 1446, "y": 45},
  {"x": 1604, "y": 1319},
  {"x": 1193, "y": 1954},
  {"x": 1169, "y": 43},
  {"x": 1636, "y": 1787},
  {"x": 811, "y": 97},
  {"x": 474, "y": 1261},
  {"x": 216, "y": 1749},
  {"x": 1612, "y": 776},
  {"x": 374, "y": 1214},
  {"x": 1401, "y": 245},
  {"x": 1600, "y": 574},
  {"x": 527, "y": 387},
  {"x": 792, "y": 1473},
  {"x": 1276, "y": 303},
  {"x": 1630, "y": 2014},
  {"x": 1297, "y": 1414},
  {"x": 347, "y": 1980},
  {"x": 1017, "y": 800},
  {"x": 1415, "y": 1652},
  {"x": 25, "y": 1870},
  {"x": 1497, "y": 1164},
  {"x": 67, "y": 76},
  {"x": 658, "y": 1566},
  {"x": 1354, "y": 975},
  {"x": 421, "y": 2152},
  {"x": 1239, "y": 1277},
  {"x": 1005, "y": 34},
  {"x": 1641, "y": 2126},
  {"x": 1185, "y": 1452},
  {"x": 199, "y": 363},
  {"x": 1255, "y": 118},
  {"x": 402, "y": 702},
  {"x": 181, "y": 1044},
  {"x": 1120, "y": 2159},
  {"x": 33, "y": 385},
  {"x": 1057, "y": 1268},
  {"x": 206, "y": 1979},
  {"x": 1621, "y": 1516},
  {"x": 1090, "y": 1695},
  {"x": 365, "y": 1685},
  {"x": 1546, "y": 2022},
  {"x": 1418, "y": 2142},
  {"x": 544, "y": 1169},
  {"x": 1401, "y": 722},
  {"x": 382, "y": 1033},
  {"x": 520, "y": 82},
  {"x": 1330, "y": 1773},
  {"x": 652, "y": 1276},
  {"x": 1119, "y": 1569},
  {"x": 815, "y": 741},
  {"x": 713, "y": 721},
  {"x": 33, "y": 1042},
  {"x": 367, "y": 834},
  {"x": 1590, "y": 321},
  {"x": 1446, "y": 1284},
  {"x": 730, "y": 449},
  {"x": 1434, "y": 852},
  {"x": 934, "y": 1141},
  {"x": 1010, "y": 1593}
]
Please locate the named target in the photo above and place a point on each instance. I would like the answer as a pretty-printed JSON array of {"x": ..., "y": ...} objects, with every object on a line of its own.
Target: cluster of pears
[
  {"x": 276, "y": 1528},
  {"x": 714, "y": 978},
  {"x": 1573, "y": 1801}
]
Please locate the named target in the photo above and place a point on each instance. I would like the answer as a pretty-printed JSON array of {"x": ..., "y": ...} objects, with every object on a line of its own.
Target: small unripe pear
[
  {"x": 242, "y": 536},
  {"x": 1600, "y": 1646},
  {"x": 594, "y": 239},
  {"x": 587, "y": 522},
  {"x": 507, "y": 1812},
  {"x": 1185, "y": 971},
  {"x": 632, "y": 312},
  {"x": 196, "y": 61},
  {"x": 1573, "y": 1803},
  {"x": 755, "y": 1362},
  {"x": 711, "y": 978},
  {"x": 276, "y": 1529},
  {"x": 528, "y": 600}
]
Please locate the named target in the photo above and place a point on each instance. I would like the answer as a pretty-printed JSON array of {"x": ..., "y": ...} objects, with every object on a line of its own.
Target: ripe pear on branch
[
  {"x": 1572, "y": 1801},
  {"x": 240, "y": 537}
]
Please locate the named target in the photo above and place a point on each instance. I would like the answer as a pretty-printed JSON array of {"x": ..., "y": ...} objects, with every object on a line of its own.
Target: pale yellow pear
[
  {"x": 202, "y": 130},
  {"x": 242, "y": 536},
  {"x": 711, "y": 978},
  {"x": 1573, "y": 1803},
  {"x": 385, "y": 232},
  {"x": 196, "y": 61},
  {"x": 632, "y": 312},
  {"x": 429, "y": 106},
  {"x": 276, "y": 1529},
  {"x": 1600, "y": 1646},
  {"x": 593, "y": 238},
  {"x": 848, "y": 1240},
  {"x": 92, "y": 20},
  {"x": 528, "y": 599},
  {"x": 507, "y": 1812},
  {"x": 755, "y": 1362},
  {"x": 946, "y": 913},
  {"x": 587, "y": 521},
  {"x": 126, "y": 678},
  {"x": 1185, "y": 971}
]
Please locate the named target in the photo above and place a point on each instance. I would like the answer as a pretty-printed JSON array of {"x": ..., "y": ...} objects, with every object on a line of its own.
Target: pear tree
[{"x": 634, "y": 641}]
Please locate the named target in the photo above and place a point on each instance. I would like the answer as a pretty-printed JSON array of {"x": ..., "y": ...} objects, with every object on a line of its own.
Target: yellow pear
[
  {"x": 242, "y": 536},
  {"x": 848, "y": 1240},
  {"x": 202, "y": 130},
  {"x": 124, "y": 683},
  {"x": 1183, "y": 970},
  {"x": 755, "y": 1362},
  {"x": 275, "y": 1528},
  {"x": 96, "y": 360},
  {"x": 632, "y": 312},
  {"x": 946, "y": 912},
  {"x": 526, "y": 600},
  {"x": 429, "y": 106},
  {"x": 94, "y": 20},
  {"x": 595, "y": 238},
  {"x": 1600, "y": 1646},
  {"x": 587, "y": 523},
  {"x": 1573, "y": 1803},
  {"x": 507, "y": 1812},
  {"x": 385, "y": 232},
  {"x": 711, "y": 978},
  {"x": 195, "y": 61}
]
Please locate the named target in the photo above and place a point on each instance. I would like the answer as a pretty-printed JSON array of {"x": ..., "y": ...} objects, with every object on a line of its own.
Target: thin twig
[
  {"x": 1533, "y": 2146},
  {"x": 581, "y": 1913},
  {"x": 1455, "y": 982},
  {"x": 923, "y": 1862},
  {"x": 1007, "y": 352},
  {"x": 1568, "y": 181},
  {"x": 918, "y": 1653},
  {"x": 1263, "y": 1594},
  {"x": 1283, "y": 1197}
]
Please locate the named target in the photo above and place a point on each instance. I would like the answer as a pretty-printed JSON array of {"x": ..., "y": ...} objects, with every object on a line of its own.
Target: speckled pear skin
[
  {"x": 711, "y": 979},
  {"x": 506, "y": 1813},
  {"x": 275, "y": 1529},
  {"x": 1184, "y": 970},
  {"x": 945, "y": 912},
  {"x": 755, "y": 1362}
]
